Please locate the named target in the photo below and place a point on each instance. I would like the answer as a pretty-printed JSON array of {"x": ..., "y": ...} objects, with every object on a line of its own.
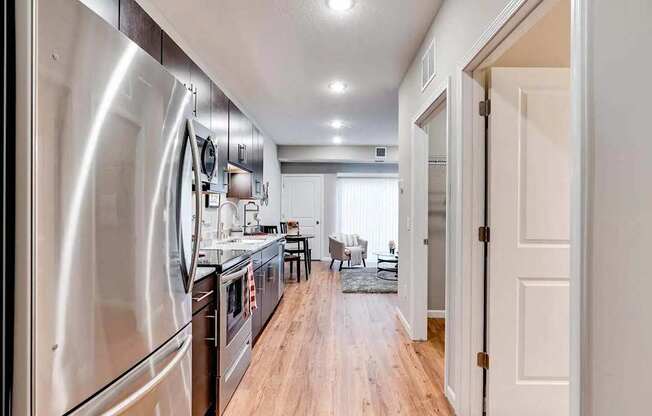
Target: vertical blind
[{"x": 368, "y": 206}]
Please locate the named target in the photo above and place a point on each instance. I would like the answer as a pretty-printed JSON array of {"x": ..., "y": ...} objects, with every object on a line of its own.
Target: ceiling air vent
[
  {"x": 428, "y": 65},
  {"x": 381, "y": 154}
]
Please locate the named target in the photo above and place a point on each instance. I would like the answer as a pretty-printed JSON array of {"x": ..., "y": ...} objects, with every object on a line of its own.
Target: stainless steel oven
[{"x": 235, "y": 331}]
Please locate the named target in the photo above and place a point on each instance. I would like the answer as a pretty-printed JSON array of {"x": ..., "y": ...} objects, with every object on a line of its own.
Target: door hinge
[
  {"x": 484, "y": 234},
  {"x": 485, "y": 108},
  {"x": 483, "y": 360},
  {"x": 484, "y": 405}
]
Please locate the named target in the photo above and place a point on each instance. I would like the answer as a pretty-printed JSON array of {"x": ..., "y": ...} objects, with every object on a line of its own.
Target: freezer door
[
  {"x": 161, "y": 385},
  {"x": 109, "y": 173}
]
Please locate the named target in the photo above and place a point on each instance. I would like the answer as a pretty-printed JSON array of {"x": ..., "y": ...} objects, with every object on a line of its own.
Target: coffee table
[{"x": 387, "y": 263}]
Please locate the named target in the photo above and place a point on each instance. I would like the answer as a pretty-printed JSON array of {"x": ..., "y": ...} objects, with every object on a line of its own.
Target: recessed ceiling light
[
  {"x": 337, "y": 140},
  {"x": 337, "y": 124},
  {"x": 340, "y": 5},
  {"x": 337, "y": 87}
]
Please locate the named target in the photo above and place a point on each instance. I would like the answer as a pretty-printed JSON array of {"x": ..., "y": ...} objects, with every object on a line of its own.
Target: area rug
[{"x": 364, "y": 280}]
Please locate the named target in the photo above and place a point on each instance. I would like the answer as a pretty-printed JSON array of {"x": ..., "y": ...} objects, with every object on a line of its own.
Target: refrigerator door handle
[
  {"x": 149, "y": 386},
  {"x": 199, "y": 208}
]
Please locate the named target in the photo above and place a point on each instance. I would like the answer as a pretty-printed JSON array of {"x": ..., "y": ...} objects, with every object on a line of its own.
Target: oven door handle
[{"x": 225, "y": 280}]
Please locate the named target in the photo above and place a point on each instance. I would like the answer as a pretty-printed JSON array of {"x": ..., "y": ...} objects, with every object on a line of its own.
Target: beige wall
[{"x": 545, "y": 44}]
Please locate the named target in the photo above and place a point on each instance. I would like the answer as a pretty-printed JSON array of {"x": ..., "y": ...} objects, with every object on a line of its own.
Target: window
[{"x": 368, "y": 206}]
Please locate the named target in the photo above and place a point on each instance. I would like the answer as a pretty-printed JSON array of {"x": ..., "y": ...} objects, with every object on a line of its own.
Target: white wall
[
  {"x": 271, "y": 214},
  {"x": 619, "y": 227},
  {"x": 360, "y": 154},
  {"x": 456, "y": 27}
]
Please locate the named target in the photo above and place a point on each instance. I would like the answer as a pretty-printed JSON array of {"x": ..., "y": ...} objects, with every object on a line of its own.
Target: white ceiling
[{"x": 277, "y": 57}]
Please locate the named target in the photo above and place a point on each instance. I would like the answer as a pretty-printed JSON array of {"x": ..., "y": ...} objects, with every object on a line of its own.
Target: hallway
[{"x": 325, "y": 352}]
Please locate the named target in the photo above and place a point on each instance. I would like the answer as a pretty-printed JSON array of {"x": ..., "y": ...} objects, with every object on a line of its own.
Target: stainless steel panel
[
  {"x": 230, "y": 352},
  {"x": 230, "y": 348},
  {"x": 231, "y": 377},
  {"x": 108, "y": 153},
  {"x": 161, "y": 385},
  {"x": 436, "y": 236}
]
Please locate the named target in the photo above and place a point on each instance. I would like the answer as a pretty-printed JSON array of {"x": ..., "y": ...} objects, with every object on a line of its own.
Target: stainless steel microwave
[{"x": 211, "y": 160}]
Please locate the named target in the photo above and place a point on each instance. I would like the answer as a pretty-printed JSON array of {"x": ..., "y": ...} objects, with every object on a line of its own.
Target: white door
[
  {"x": 302, "y": 202},
  {"x": 529, "y": 216}
]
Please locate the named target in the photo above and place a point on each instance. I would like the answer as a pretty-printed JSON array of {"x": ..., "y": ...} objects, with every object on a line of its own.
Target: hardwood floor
[{"x": 329, "y": 353}]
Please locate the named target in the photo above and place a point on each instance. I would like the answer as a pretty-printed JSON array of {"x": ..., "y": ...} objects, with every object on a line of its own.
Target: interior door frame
[
  {"x": 469, "y": 158},
  {"x": 324, "y": 238},
  {"x": 418, "y": 290}
]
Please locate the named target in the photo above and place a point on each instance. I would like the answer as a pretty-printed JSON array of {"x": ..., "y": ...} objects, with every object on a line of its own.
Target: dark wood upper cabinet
[
  {"x": 106, "y": 9},
  {"x": 201, "y": 88},
  {"x": 257, "y": 168},
  {"x": 175, "y": 60},
  {"x": 240, "y": 186},
  {"x": 240, "y": 137},
  {"x": 140, "y": 27},
  {"x": 248, "y": 141},
  {"x": 220, "y": 127}
]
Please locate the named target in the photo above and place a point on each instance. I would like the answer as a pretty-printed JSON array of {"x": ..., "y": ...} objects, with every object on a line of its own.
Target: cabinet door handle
[
  {"x": 215, "y": 319},
  {"x": 241, "y": 152},
  {"x": 203, "y": 296},
  {"x": 194, "y": 92}
]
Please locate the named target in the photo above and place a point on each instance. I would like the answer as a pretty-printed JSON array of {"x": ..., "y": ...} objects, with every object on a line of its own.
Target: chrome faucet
[{"x": 220, "y": 225}]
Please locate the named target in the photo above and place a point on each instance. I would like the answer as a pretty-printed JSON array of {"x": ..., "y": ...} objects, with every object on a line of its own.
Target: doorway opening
[
  {"x": 436, "y": 127},
  {"x": 431, "y": 176},
  {"x": 523, "y": 203}
]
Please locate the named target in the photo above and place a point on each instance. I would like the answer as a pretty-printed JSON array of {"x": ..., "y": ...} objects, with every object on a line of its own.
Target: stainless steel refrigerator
[{"x": 112, "y": 209}]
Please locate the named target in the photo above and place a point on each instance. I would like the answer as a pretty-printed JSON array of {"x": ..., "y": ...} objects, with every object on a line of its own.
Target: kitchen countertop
[{"x": 225, "y": 254}]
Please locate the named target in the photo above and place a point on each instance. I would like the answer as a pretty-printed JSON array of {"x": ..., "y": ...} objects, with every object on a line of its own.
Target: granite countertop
[{"x": 226, "y": 254}]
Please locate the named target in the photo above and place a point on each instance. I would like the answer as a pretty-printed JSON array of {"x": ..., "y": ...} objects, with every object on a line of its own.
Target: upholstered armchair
[{"x": 339, "y": 247}]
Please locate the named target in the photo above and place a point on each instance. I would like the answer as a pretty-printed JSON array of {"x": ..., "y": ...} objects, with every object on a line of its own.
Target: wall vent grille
[
  {"x": 428, "y": 65},
  {"x": 380, "y": 154}
]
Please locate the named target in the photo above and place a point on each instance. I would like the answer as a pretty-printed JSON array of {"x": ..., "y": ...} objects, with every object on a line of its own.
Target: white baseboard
[
  {"x": 436, "y": 314},
  {"x": 406, "y": 325},
  {"x": 450, "y": 395}
]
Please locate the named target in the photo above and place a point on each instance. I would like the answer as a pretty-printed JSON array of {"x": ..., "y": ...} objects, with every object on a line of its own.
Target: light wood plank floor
[{"x": 329, "y": 353}]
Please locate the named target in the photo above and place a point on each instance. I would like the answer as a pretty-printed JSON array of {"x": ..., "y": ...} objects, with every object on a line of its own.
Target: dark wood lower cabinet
[
  {"x": 267, "y": 293},
  {"x": 204, "y": 360},
  {"x": 257, "y": 317}
]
